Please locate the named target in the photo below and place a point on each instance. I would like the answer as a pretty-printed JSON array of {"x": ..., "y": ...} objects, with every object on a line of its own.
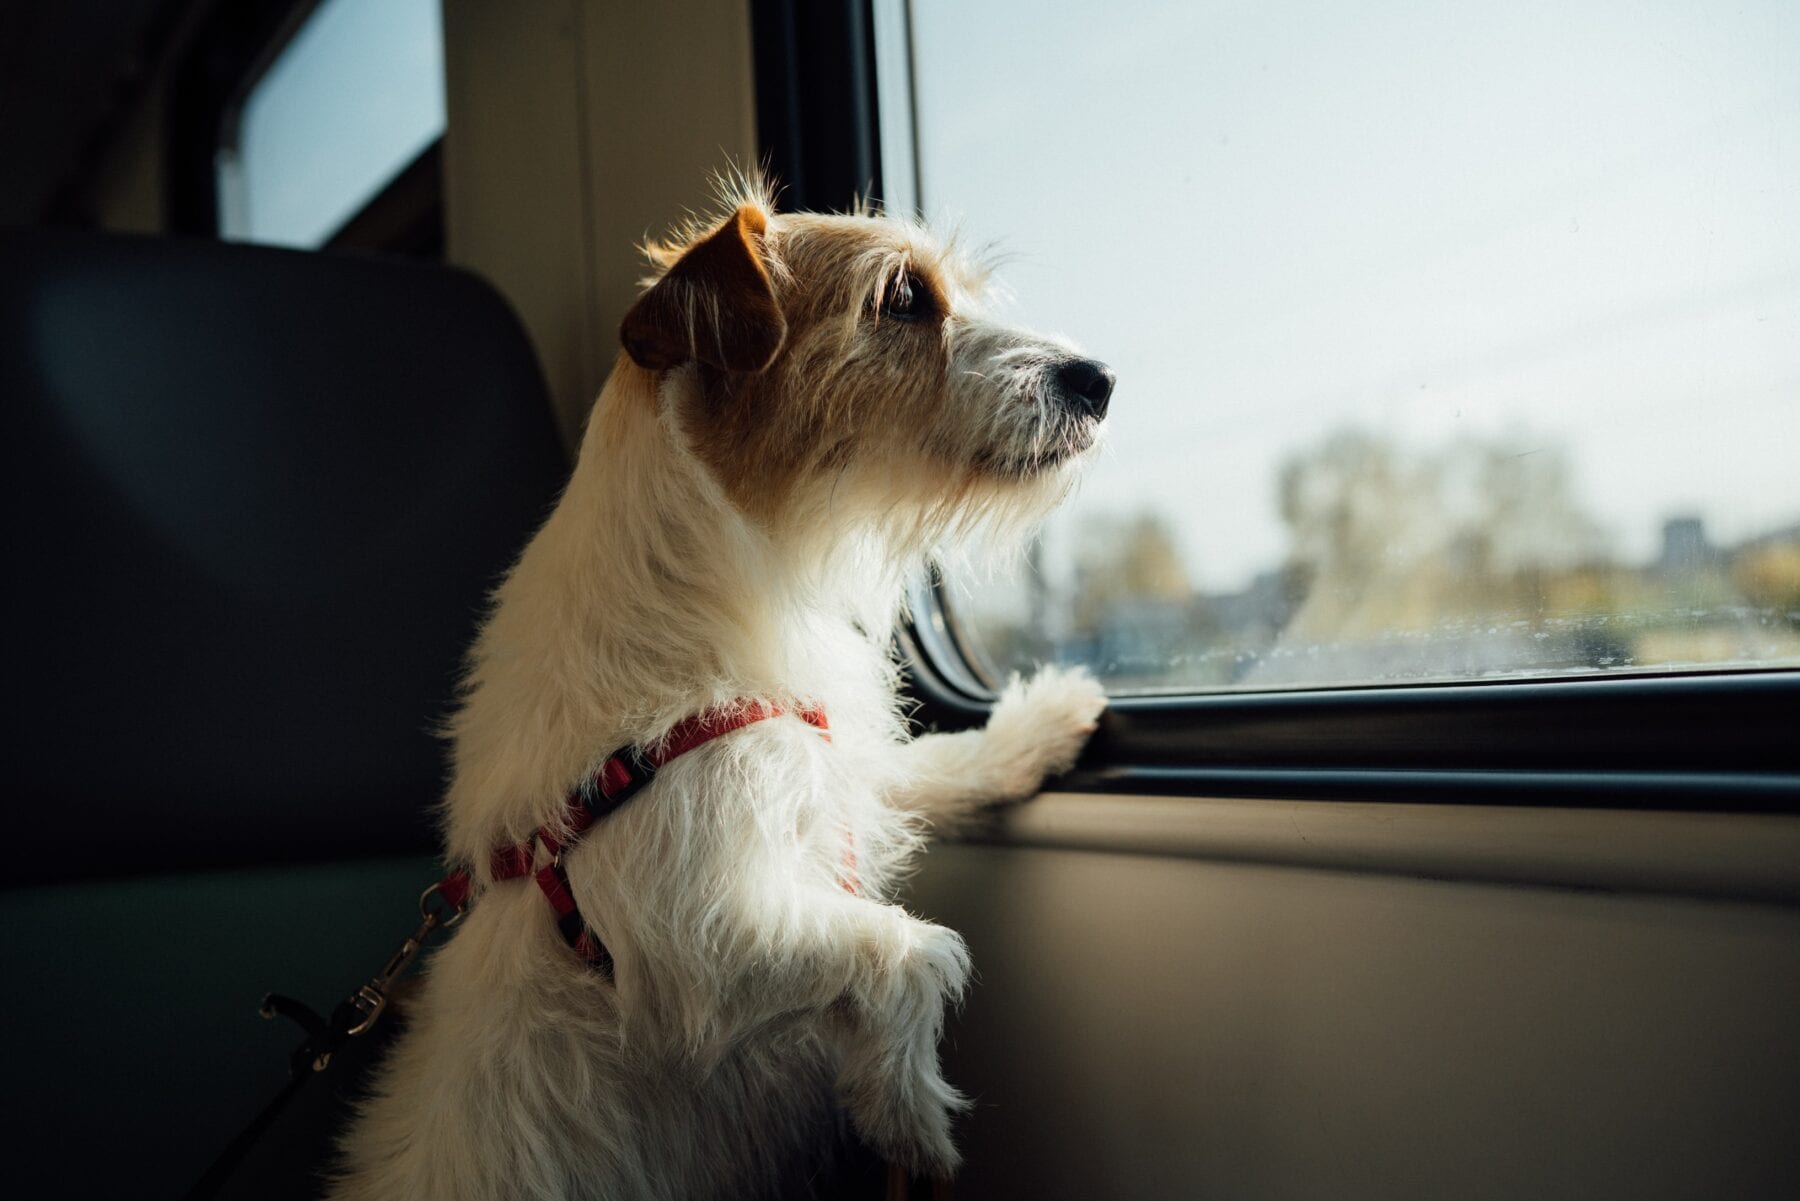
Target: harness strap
[
  {"x": 554, "y": 883},
  {"x": 625, "y": 773}
]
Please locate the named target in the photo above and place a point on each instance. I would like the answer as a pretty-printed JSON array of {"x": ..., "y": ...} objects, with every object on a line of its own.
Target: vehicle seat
[{"x": 255, "y": 501}]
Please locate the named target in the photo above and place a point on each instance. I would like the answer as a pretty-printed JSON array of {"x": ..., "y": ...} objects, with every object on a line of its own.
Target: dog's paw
[
  {"x": 1039, "y": 727},
  {"x": 938, "y": 968},
  {"x": 896, "y": 1096},
  {"x": 908, "y": 1122}
]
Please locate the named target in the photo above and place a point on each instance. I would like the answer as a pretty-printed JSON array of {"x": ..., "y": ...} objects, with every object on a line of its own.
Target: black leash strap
[
  {"x": 355, "y": 1015},
  {"x": 308, "y": 1059}
]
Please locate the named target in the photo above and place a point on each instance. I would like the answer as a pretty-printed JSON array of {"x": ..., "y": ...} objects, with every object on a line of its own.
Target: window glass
[
  {"x": 347, "y": 104},
  {"x": 1454, "y": 341}
]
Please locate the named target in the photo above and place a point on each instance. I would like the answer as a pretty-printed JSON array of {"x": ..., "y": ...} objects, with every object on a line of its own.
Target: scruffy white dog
[{"x": 807, "y": 407}]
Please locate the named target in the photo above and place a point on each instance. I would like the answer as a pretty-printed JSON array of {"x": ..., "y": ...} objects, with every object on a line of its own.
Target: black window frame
[
  {"x": 230, "y": 52},
  {"x": 1711, "y": 740},
  {"x": 817, "y": 112}
]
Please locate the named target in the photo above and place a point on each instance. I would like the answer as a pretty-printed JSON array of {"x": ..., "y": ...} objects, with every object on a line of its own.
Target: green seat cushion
[{"x": 133, "y": 1049}]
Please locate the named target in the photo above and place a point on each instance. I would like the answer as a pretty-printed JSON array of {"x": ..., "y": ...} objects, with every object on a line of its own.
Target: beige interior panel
[
  {"x": 576, "y": 129},
  {"x": 515, "y": 184},
  {"x": 1167, "y": 1024},
  {"x": 1730, "y": 855}
]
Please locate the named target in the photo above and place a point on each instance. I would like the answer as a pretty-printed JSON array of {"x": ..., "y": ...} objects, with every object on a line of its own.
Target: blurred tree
[
  {"x": 1769, "y": 577},
  {"x": 1388, "y": 542},
  {"x": 1119, "y": 561}
]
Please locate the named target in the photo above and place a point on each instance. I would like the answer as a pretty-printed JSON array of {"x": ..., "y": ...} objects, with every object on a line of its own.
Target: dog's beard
[{"x": 1055, "y": 443}]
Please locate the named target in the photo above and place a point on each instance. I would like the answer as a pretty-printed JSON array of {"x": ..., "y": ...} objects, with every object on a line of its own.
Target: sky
[
  {"x": 1573, "y": 223},
  {"x": 354, "y": 97}
]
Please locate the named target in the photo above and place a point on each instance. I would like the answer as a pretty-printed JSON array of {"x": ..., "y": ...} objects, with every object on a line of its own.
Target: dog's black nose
[{"x": 1086, "y": 384}]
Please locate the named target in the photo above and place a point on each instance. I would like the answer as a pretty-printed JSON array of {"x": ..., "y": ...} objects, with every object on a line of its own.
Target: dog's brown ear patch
[{"x": 716, "y": 305}]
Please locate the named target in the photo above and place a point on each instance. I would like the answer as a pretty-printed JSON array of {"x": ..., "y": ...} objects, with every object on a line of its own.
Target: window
[
  {"x": 1454, "y": 342},
  {"x": 354, "y": 98}
]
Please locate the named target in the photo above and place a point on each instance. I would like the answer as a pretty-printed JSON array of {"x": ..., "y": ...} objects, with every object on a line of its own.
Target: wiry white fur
[{"x": 753, "y": 992}]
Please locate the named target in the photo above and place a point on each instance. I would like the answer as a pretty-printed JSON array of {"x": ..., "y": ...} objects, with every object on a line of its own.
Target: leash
[
  {"x": 354, "y": 1016},
  {"x": 625, "y": 773}
]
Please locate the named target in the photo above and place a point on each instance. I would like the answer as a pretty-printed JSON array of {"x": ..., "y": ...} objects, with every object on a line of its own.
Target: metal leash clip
[
  {"x": 440, "y": 907},
  {"x": 371, "y": 999}
]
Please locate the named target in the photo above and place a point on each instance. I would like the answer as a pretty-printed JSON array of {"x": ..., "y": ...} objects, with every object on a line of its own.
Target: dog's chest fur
[
  {"x": 544, "y": 1077},
  {"x": 534, "y": 1068}
]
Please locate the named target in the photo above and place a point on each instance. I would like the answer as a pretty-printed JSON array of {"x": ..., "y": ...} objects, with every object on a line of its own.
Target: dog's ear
[{"x": 716, "y": 305}]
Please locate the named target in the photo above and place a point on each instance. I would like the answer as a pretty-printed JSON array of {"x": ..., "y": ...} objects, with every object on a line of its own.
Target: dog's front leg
[
  {"x": 890, "y": 1079},
  {"x": 883, "y": 979},
  {"x": 1037, "y": 729}
]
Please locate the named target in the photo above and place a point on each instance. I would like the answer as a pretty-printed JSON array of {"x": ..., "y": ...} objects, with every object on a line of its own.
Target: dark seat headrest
[{"x": 255, "y": 500}]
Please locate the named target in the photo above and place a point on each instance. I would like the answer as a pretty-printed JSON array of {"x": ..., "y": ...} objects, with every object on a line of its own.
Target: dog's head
[{"x": 848, "y": 359}]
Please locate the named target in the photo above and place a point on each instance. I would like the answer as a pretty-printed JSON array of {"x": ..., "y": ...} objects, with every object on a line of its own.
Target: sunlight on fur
[{"x": 808, "y": 410}]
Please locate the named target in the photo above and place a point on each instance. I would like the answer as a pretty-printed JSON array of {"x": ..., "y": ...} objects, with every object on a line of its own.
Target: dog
[{"x": 806, "y": 409}]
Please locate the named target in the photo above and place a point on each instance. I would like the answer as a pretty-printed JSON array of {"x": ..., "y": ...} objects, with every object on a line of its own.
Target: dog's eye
[{"x": 907, "y": 298}]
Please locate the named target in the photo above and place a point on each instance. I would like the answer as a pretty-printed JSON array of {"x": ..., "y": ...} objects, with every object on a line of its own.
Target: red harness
[{"x": 624, "y": 774}]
